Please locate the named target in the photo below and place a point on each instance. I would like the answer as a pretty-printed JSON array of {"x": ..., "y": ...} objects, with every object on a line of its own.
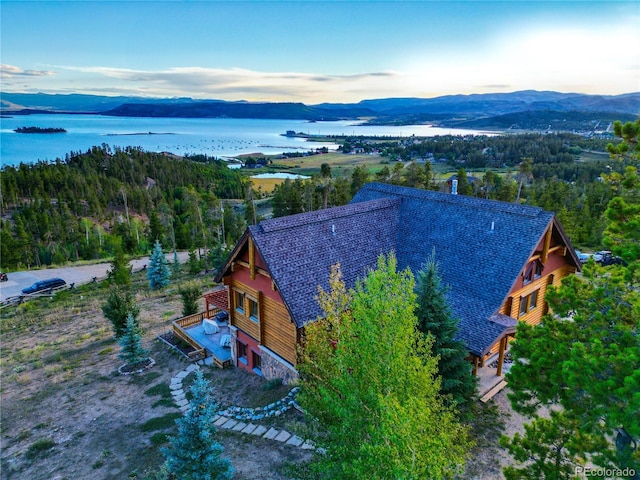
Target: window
[
  {"x": 239, "y": 301},
  {"x": 242, "y": 352},
  {"x": 253, "y": 310},
  {"x": 533, "y": 271},
  {"x": 257, "y": 362},
  {"x": 528, "y": 302}
]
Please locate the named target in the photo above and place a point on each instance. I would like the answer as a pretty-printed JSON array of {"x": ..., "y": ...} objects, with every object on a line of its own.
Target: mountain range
[{"x": 526, "y": 109}]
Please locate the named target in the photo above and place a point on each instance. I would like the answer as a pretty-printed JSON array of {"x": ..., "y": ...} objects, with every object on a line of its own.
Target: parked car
[
  {"x": 607, "y": 258},
  {"x": 582, "y": 257},
  {"x": 43, "y": 285},
  {"x": 3, "y": 277}
]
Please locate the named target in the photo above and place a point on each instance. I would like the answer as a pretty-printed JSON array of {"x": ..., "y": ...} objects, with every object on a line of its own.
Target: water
[{"x": 217, "y": 137}]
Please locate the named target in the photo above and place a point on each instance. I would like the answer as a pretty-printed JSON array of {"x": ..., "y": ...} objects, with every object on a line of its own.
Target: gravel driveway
[{"x": 78, "y": 275}]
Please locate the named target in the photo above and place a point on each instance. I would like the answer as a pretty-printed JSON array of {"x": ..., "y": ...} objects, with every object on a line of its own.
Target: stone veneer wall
[
  {"x": 234, "y": 344},
  {"x": 274, "y": 367}
]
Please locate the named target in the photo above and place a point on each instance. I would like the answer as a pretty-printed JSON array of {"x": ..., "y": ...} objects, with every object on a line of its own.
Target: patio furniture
[
  {"x": 225, "y": 341},
  {"x": 210, "y": 326}
]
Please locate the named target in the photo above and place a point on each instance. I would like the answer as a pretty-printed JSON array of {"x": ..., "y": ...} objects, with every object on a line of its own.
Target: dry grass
[{"x": 66, "y": 413}]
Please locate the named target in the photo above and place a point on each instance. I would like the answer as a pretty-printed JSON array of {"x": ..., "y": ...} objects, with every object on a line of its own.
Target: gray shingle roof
[
  {"x": 481, "y": 246},
  {"x": 299, "y": 250}
]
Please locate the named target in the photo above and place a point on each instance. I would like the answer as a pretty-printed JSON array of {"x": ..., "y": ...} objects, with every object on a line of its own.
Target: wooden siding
[
  {"x": 275, "y": 330},
  {"x": 511, "y": 307},
  {"x": 278, "y": 331},
  {"x": 241, "y": 320}
]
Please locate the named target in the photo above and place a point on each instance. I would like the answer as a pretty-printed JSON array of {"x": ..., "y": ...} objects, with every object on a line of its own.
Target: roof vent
[
  {"x": 454, "y": 187},
  {"x": 493, "y": 225},
  {"x": 333, "y": 230}
]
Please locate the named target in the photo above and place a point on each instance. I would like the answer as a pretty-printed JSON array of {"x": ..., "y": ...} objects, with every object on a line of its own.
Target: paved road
[{"x": 78, "y": 275}]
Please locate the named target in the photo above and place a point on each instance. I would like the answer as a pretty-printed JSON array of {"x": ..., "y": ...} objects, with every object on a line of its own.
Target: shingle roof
[
  {"x": 480, "y": 245},
  {"x": 299, "y": 250}
]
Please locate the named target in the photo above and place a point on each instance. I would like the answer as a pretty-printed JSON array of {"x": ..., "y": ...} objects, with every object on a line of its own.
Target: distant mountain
[
  {"x": 525, "y": 108},
  {"x": 77, "y": 103},
  {"x": 294, "y": 111},
  {"x": 492, "y": 104}
]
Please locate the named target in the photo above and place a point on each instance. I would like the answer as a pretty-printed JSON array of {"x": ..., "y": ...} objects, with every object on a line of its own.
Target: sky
[{"x": 314, "y": 51}]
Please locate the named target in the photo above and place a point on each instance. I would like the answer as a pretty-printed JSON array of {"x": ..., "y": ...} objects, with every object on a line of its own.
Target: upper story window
[
  {"x": 253, "y": 310},
  {"x": 533, "y": 271},
  {"x": 528, "y": 303},
  {"x": 239, "y": 301}
]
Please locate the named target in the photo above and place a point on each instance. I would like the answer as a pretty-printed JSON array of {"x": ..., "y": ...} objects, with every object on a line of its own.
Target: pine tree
[
  {"x": 190, "y": 295},
  {"x": 158, "y": 272},
  {"x": 194, "y": 265},
  {"x": 120, "y": 272},
  {"x": 435, "y": 319},
  {"x": 131, "y": 342},
  {"x": 194, "y": 454},
  {"x": 120, "y": 304},
  {"x": 175, "y": 266}
]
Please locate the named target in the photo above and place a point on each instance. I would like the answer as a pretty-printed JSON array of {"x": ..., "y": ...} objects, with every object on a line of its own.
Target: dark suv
[{"x": 44, "y": 285}]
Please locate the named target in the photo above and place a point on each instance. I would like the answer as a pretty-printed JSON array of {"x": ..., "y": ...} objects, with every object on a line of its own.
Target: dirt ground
[{"x": 66, "y": 413}]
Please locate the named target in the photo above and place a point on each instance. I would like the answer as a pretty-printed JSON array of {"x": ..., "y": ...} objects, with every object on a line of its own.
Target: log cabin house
[{"x": 496, "y": 258}]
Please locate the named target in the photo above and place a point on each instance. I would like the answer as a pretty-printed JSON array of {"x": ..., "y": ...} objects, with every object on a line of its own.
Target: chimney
[
  {"x": 454, "y": 186},
  {"x": 333, "y": 230}
]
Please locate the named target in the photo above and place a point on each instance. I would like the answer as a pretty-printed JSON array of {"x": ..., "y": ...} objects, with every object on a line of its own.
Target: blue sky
[{"x": 314, "y": 51}]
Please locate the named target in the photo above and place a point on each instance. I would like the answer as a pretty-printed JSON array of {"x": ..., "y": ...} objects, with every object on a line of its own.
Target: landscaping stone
[
  {"x": 308, "y": 445},
  {"x": 283, "y": 436},
  {"x": 249, "y": 428},
  {"x": 239, "y": 427},
  {"x": 192, "y": 368},
  {"x": 259, "y": 431},
  {"x": 182, "y": 374},
  {"x": 179, "y": 398},
  {"x": 295, "y": 440},
  {"x": 177, "y": 392},
  {"x": 182, "y": 402},
  {"x": 229, "y": 424},
  {"x": 271, "y": 434},
  {"x": 220, "y": 421}
]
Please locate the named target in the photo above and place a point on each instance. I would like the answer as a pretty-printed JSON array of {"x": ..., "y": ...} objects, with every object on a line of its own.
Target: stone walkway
[{"x": 235, "y": 424}]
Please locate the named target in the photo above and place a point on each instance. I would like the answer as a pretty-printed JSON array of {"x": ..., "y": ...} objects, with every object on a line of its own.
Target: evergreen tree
[
  {"x": 120, "y": 273},
  {"x": 175, "y": 266},
  {"x": 380, "y": 411},
  {"x": 587, "y": 368},
  {"x": 194, "y": 454},
  {"x": 131, "y": 342},
  {"x": 190, "y": 295},
  {"x": 158, "y": 272},
  {"x": 463, "y": 183},
  {"x": 435, "y": 319},
  {"x": 193, "y": 264},
  {"x": 120, "y": 304}
]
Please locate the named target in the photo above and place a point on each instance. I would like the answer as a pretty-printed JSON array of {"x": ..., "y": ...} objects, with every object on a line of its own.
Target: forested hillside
[{"x": 80, "y": 207}]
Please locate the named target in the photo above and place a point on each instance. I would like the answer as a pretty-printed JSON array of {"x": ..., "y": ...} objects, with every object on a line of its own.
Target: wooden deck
[
  {"x": 489, "y": 384},
  {"x": 190, "y": 330}
]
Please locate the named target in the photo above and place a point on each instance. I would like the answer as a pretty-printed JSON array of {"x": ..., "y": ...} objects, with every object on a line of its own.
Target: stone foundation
[
  {"x": 274, "y": 367},
  {"x": 233, "y": 331}
]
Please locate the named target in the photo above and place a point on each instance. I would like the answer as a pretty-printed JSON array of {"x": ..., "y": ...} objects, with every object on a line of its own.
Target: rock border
[
  {"x": 151, "y": 363},
  {"x": 231, "y": 418}
]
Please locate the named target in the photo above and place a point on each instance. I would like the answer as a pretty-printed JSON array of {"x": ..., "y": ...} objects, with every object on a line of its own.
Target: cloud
[
  {"x": 11, "y": 72},
  {"x": 199, "y": 82}
]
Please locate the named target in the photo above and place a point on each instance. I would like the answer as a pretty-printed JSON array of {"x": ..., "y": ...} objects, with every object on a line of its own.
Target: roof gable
[{"x": 299, "y": 250}]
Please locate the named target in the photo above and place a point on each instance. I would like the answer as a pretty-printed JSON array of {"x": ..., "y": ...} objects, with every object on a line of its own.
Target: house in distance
[{"x": 496, "y": 258}]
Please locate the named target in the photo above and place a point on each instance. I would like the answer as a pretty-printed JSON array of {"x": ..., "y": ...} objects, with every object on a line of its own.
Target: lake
[{"x": 216, "y": 137}]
